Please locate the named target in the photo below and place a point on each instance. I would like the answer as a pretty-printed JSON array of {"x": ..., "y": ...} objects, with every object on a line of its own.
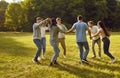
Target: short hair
[
  {"x": 58, "y": 18},
  {"x": 80, "y": 17},
  {"x": 39, "y": 18},
  {"x": 91, "y": 22}
]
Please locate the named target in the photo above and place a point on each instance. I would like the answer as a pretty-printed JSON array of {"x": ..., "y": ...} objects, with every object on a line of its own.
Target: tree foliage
[
  {"x": 3, "y": 6},
  {"x": 21, "y": 16}
]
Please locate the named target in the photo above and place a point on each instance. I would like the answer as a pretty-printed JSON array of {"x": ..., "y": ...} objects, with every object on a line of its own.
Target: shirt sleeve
[
  {"x": 74, "y": 26},
  {"x": 39, "y": 24},
  {"x": 86, "y": 26},
  {"x": 65, "y": 28}
]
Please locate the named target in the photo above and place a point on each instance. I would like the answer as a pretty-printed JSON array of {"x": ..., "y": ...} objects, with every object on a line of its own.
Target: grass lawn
[{"x": 17, "y": 50}]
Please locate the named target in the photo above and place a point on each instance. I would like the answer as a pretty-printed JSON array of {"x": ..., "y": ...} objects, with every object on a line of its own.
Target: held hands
[{"x": 48, "y": 20}]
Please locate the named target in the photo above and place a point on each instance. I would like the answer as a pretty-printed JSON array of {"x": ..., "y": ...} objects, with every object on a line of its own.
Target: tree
[
  {"x": 111, "y": 10},
  {"x": 3, "y": 6},
  {"x": 13, "y": 17}
]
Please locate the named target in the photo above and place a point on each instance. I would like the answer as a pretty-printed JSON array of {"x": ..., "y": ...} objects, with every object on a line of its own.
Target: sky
[{"x": 12, "y": 0}]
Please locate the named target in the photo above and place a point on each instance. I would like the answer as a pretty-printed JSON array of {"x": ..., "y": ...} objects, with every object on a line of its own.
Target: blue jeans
[
  {"x": 83, "y": 54},
  {"x": 43, "y": 43},
  {"x": 56, "y": 50},
  {"x": 106, "y": 43},
  {"x": 38, "y": 45}
]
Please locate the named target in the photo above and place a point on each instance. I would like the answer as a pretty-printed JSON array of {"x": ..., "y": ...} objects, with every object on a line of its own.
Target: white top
[
  {"x": 42, "y": 30},
  {"x": 94, "y": 30},
  {"x": 63, "y": 28}
]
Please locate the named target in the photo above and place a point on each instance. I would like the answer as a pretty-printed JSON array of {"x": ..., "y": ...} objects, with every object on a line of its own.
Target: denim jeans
[
  {"x": 56, "y": 50},
  {"x": 38, "y": 45},
  {"x": 43, "y": 43},
  {"x": 81, "y": 46},
  {"x": 98, "y": 41},
  {"x": 106, "y": 43}
]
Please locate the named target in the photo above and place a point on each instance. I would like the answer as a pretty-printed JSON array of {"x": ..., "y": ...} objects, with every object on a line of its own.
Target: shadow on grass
[
  {"x": 106, "y": 65},
  {"x": 11, "y": 47},
  {"x": 83, "y": 72}
]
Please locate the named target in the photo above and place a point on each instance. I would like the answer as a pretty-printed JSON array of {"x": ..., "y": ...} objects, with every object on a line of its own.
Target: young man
[
  {"x": 96, "y": 39},
  {"x": 61, "y": 36},
  {"x": 81, "y": 40},
  {"x": 37, "y": 36}
]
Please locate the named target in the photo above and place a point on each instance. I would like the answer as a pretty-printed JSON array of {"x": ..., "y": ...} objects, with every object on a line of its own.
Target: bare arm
[
  {"x": 89, "y": 32},
  {"x": 97, "y": 33},
  {"x": 70, "y": 30}
]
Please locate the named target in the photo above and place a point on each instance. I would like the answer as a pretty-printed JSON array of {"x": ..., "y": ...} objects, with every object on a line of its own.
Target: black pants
[{"x": 106, "y": 44}]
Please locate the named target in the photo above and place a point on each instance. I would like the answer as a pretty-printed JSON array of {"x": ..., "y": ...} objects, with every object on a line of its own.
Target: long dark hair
[
  {"x": 53, "y": 22},
  {"x": 104, "y": 28}
]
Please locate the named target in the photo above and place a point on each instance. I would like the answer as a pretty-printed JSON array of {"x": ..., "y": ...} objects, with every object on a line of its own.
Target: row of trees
[{"x": 20, "y": 16}]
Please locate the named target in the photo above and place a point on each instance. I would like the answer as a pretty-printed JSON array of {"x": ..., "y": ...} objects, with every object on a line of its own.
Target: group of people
[{"x": 57, "y": 35}]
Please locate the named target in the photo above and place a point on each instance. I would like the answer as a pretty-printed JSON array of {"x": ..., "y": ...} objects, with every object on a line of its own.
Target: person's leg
[
  {"x": 106, "y": 43},
  {"x": 44, "y": 45},
  {"x": 93, "y": 48},
  {"x": 38, "y": 52},
  {"x": 56, "y": 51},
  {"x": 63, "y": 45},
  {"x": 80, "y": 46},
  {"x": 85, "y": 44},
  {"x": 99, "y": 47}
]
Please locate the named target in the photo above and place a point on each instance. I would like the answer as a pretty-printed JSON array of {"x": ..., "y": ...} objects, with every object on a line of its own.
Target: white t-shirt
[
  {"x": 63, "y": 28},
  {"x": 42, "y": 30},
  {"x": 94, "y": 30}
]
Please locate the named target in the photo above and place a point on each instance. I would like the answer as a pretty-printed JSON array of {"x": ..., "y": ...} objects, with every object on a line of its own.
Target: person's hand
[
  {"x": 90, "y": 37},
  {"x": 47, "y": 20}
]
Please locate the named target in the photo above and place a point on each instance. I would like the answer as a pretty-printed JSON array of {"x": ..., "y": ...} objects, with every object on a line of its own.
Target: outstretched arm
[{"x": 70, "y": 30}]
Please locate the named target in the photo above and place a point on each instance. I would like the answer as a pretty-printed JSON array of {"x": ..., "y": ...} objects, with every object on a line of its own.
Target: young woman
[
  {"x": 54, "y": 30},
  {"x": 105, "y": 38}
]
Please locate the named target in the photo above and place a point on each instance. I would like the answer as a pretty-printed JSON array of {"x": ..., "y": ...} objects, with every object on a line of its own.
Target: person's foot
[
  {"x": 113, "y": 60},
  {"x": 35, "y": 61},
  {"x": 64, "y": 56},
  {"x": 99, "y": 58},
  {"x": 51, "y": 64},
  {"x": 43, "y": 57},
  {"x": 93, "y": 56},
  {"x": 55, "y": 62},
  {"x": 39, "y": 58},
  {"x": 85, "y": 61}
]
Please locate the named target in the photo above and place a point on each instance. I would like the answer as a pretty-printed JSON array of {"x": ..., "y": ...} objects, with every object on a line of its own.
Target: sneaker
[
  {"x": 93, "y": 56},
  {"x": 99, "y": 58},
  {"x": 43, "y": 57},
  {"x": 39, "y": 58},
  {"x": 85, "y": 61},
  {"x": 55, "y": 62},
  {"x": 35, "y": 61},
  {"x": 113, "y": 60},
  {"x": 64, "y": 56},
  {"x": 51, "y": 64}
]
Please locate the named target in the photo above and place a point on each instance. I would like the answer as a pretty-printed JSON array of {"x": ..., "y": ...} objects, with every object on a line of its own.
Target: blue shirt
[{"x": 80, "y": 28}]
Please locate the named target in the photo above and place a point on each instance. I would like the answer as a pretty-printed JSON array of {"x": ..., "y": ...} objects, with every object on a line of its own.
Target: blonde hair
[{"x": 58, "y": 18}]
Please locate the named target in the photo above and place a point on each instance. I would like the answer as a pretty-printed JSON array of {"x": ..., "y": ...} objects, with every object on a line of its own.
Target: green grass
[{"x": 17, "y": 50}]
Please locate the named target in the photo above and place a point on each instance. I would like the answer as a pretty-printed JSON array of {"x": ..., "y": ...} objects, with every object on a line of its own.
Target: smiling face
[
  {"x": 90, "y": 23},
  {"x": 58, "y": 20}
]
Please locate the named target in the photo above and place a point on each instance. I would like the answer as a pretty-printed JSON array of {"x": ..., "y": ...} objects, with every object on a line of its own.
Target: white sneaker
[
  {"x": 43, "y": 57},
  {"x": 113, "y": 60},
  {"x": 39, "y": 58},
  {"x": 64, "y": 56}
]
